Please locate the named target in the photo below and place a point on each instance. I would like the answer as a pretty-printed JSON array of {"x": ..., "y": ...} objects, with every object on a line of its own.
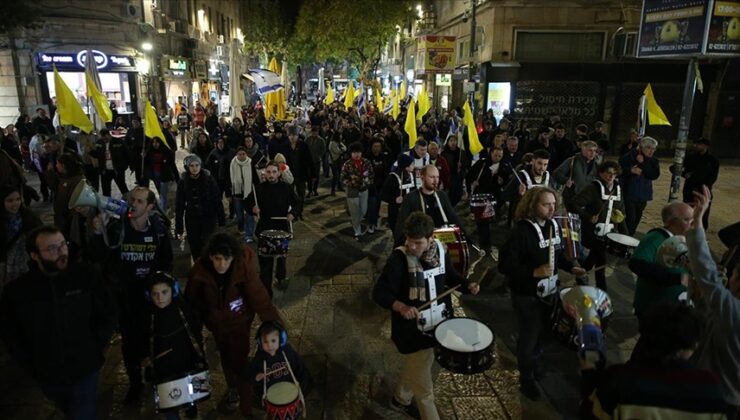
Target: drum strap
[
  {"x": 610, "y": 198},
  {"x": 530, "y": 184},
  {"x": 544, "y": 243},
  {"x": 186, "y": 325},
  {"x": 439, "y": 206},
  {"x": 403, "y": 188},
  {"x": 548, "y": 285}
]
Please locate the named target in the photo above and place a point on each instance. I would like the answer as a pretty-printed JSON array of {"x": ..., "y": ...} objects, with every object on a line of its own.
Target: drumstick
[
  {"x": 440, "y": 296},
  {"x": 295, "y": 381},
  {"x": 162, "y": 354},
  {"x": 264, "y": 380}
]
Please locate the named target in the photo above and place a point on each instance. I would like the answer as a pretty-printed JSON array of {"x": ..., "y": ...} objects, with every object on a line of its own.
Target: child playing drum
[
  {"x": 275, "y": 361},
  {"x": 175, "y": 359}
]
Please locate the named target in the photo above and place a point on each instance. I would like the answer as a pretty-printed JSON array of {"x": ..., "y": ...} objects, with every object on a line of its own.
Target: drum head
[
  {"x": 282, "y": 393},
  {"x": 623, "y": 239},
  {"x": 463, "y": 335},
  {"x": 272, "y": 233}
]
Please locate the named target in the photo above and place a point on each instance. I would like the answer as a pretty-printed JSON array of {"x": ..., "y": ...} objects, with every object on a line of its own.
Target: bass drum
[
  {"x": 464, "y": 345},
  {"x": 457, "y": 246}
]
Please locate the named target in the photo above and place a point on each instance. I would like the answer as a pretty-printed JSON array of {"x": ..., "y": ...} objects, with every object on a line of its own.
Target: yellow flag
[
  {"x": 424, "y": 105},
  {"x": 329, "y": 95},
  {"x": 403, "y": 90},
  {"x": 275, "y": 101},
  {"x": 396, "y": 108},
  {"x": 655, "y": 115},
  {"x": 151, "y": 124},
  {"x": 70, "y": 111},
  {"x": 349, "y": 95},
  {"x": 410, "y": 126},
  {"x": 378, "y": 100},
  {"x": 98, "y": 99},
  {"x": 475, "y": 146}
]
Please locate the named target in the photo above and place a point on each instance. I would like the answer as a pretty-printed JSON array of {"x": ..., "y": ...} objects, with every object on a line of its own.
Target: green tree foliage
[
  {"x": 269, "y": 26},
  {"x": 346, "y": 30}
]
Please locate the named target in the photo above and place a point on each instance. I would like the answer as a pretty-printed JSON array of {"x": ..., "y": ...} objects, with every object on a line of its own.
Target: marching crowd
[{"x": 69, "y": 286}]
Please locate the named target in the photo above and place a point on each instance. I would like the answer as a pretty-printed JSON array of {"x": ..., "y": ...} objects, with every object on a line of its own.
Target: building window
[
  {"x": 191, "y": 4},
  {"x": 554, "y": 46}
]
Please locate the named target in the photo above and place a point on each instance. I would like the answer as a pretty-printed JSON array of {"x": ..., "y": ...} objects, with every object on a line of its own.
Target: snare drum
[
  {"x": 282, "y": 401},
  {"x": 621, "y": 245},
  {"x": 570, "y": 225},
  {"x": 273, "y": 243},
  {"x": 482, "y": 207},
  {"x": 457, "y": 246},
  {"x": 180, "y": 392},
  {"x": 464, "y": 345}
]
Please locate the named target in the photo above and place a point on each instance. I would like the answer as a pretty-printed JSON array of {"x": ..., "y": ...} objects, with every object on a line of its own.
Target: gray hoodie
[{"x": 719, "y": 352}]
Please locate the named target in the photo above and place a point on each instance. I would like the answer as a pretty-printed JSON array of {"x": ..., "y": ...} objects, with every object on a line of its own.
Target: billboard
[
  {"x": 672, "y": 28},
  {"x": 435, "y": 54},
  {"x": 724, "y": 28}
]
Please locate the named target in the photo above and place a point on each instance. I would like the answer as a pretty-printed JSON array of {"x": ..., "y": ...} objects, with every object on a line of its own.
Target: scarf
[
  {"x": 241, "y": 177},
  {"x": 417, "y": 283}
]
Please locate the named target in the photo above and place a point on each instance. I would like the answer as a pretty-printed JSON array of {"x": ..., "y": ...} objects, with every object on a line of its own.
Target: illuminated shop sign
[{"x": 76, "y": 61}]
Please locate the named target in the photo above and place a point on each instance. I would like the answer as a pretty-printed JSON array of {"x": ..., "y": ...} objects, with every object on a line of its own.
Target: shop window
[{"x": 544, "y": 46}]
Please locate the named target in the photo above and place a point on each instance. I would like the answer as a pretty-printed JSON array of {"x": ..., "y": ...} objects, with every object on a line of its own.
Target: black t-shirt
[{"x": 432, "y": 209}]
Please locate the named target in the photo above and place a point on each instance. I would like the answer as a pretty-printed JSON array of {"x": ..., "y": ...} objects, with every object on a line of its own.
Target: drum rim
[
  {"x": 191, "y": 373},
  {"x": 280, "y": 383},
  {"x": 493, "y": 335},
  {"x": 615, "y": 236}
]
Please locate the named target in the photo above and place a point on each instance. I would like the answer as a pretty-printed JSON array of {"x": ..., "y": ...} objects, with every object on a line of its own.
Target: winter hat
[
  {"x": 192, "y": 158},
  {"x": 405, "y": 160}
]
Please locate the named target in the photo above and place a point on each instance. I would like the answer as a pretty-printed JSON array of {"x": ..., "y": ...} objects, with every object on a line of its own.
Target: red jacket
[
  {"x": 233, "y": 310},
  {"x": 444, "y": 172}
]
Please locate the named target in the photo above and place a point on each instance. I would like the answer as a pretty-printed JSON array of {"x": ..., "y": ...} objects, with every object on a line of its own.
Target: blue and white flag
[
  {"x": 266, "y": 81},
  {"x": 453, "y": 126},
  {"x": 361, "y": 107}
]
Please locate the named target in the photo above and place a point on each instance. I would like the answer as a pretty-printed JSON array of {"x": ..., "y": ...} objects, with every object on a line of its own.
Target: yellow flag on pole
[
  {"x": 98, "y": 99},
  {"x": 403, "y": 90},
  {"x": 329, "y": 95},
  {"x": 396, "y": 108},
  {"x": 655, "y": 115},
  {"x": 70, "y": 111},
  {"x": 410, "y": 126},
  {"x": 349, "y": 95},
  {"x": 378, "y": 100},
  {"x": 475, "y": 145},
  {"x": 424, "y": 105},
  {"x": 152, "y": 129}
]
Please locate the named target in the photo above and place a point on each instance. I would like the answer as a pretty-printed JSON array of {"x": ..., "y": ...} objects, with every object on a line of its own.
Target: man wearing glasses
[{"x": 56, "y": 320}]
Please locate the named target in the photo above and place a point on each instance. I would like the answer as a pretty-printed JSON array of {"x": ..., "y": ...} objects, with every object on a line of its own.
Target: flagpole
[
  {"x": 642, "y": 116},
  {"x": 683, "y": 130}
]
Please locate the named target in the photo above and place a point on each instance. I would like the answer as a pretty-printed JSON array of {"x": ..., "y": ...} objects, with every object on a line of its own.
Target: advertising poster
[
  {"x": 672, "y": 28},
  {"x": 724, "y": 28},
  {"x": 499, "y": 95},
  {"x": 435, "y": 54}
]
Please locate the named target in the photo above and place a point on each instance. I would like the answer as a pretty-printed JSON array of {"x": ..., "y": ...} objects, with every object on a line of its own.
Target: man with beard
[
  {"x": 421, "y": 159},
  {"x": 542, "y": 141},
  {"x": 130, "y": 249},
  {"x": 57, "y": 320},
  {"x": 273, "y": 203},
  {"x": 441, "y": 163},
  {"x": 428, "y": 200},
  {"x": 487, "y": 177},
  {"x": 534, "y": 175},
  {"x": 639, "y": 169}
]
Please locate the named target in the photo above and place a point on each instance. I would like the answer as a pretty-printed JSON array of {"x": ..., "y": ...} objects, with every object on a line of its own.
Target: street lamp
[{"x": 147, "y": 46}]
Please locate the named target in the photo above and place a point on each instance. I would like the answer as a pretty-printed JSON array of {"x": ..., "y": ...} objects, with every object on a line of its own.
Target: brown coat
[
  {"x": 63, "y": 187},
  {"x": 215, "y": 308}
]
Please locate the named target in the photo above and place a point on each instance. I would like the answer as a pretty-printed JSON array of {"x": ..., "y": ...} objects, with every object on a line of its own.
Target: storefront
[
  {"x": 118, "y": 77},
  {"x": 177, "y": 79}
]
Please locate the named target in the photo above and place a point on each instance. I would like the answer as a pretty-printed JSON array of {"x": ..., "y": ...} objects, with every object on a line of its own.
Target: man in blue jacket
[{"x": 639, "y": 169}]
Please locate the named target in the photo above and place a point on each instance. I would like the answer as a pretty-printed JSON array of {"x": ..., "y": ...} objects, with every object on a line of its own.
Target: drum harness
[
  {"x": 198, "y": 349},
  {"x": 436, "y": 312},
  {"x": 601, "y": 229},
  {"x": 530, "y": 184},
  {"x": 549, "y": 285},
  {"x": 403, "y": 188}
]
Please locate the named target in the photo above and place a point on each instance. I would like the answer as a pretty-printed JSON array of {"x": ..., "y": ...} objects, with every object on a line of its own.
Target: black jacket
[
  {"x": 299, "y": 160},
  {"x": 393, "y": 285},
  {"x": 487, "y": 183},
  {"x": 58, "y": 327},
  {"x": 208, "y": 208},
  {"x": 413, "y": 202},
  {"x": 119, "y": 153},
  {"x": 168, "y": 170},
  {"x": 273, "y": 200}
]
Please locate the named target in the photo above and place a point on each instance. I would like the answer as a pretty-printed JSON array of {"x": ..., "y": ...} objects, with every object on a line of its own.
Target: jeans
[
  {"x": 336, "y": 171},
  {"x": 634, "y": 211},
  {"x": 357, "y": 207},
  {"x": 77, "y": 400},
  {"x": 531, "y": 316},
  {"x": 244, "y": 220},
  {"x": 234, "y": 351},
  {"x": 107, "y": 177},
  {"x": 266, "y": 264},
  {"x": 300, "y": 191},
  {"x": 373, "y": 210},
  {"x": 325, "y": 164},
  {"x": 313, "y": 184},
  {"x": 416, "y": 382},
  {"x": 163, "y": 187}
]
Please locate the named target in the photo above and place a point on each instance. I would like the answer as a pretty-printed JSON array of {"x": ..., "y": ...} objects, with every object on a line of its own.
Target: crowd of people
[{"x": 69, "y": 286}]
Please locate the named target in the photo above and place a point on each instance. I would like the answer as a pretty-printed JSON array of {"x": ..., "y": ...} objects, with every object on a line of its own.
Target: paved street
[{"x": 344, "y": 337}]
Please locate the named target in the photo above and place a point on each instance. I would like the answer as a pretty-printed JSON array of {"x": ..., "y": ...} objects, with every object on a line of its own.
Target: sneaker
[
  {"x": 232, "y": 399},
  {"x": 530, "y": 390},
  {"x": 410, "y": 410},
  {"x": 249, "y": 240},
  {"x": 371, "y": 229}
]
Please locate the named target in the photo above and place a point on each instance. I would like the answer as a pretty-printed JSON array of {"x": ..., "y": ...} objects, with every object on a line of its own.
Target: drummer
[
  {"x": 398, "y": 185},
  {"x": 530, "y": 258},
  {"x": 273, "y": 203},
  {"x": 601, "y": 208},
  {"x": 526, "y": 178},
  {"x": 405, "y": 284},
  {"x": 487, "y": 177},
  {"x": 428, "y": 200}
]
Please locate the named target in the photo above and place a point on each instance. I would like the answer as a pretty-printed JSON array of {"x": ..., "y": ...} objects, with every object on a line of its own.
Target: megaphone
[
  {"x": 84, "y": 196},
  {"x": 589, "y": 306}
]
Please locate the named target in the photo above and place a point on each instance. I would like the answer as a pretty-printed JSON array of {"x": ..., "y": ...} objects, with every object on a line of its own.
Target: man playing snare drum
[
  {"x": 273, "y": 202},
  {"x": 530, "y": 258},
  {"x": 405, "y": 284}
]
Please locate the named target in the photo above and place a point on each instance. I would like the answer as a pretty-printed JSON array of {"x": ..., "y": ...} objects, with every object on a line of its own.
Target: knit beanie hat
[
  {"x": 192, "y": 158},
  {"x": 405, "y": 160}
]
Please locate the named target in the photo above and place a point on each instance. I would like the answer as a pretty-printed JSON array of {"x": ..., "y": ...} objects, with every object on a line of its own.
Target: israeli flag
[
  {"x": 453, "y": 126},
  {"x": 361, "y": 108},
  {"x": 266, "y": 81}
]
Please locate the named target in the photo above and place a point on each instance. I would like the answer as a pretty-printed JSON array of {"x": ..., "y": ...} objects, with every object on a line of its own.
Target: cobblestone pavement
[{"x": 344, "y": 337}]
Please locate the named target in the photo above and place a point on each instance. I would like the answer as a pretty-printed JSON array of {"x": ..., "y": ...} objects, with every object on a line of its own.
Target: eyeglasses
[{"x": 55, "y": 249}]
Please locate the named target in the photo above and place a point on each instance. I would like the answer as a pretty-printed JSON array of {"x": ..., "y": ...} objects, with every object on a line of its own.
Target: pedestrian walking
[
  {"x": 639, "y": 169},
  {"x": 357, "y": 177}
]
